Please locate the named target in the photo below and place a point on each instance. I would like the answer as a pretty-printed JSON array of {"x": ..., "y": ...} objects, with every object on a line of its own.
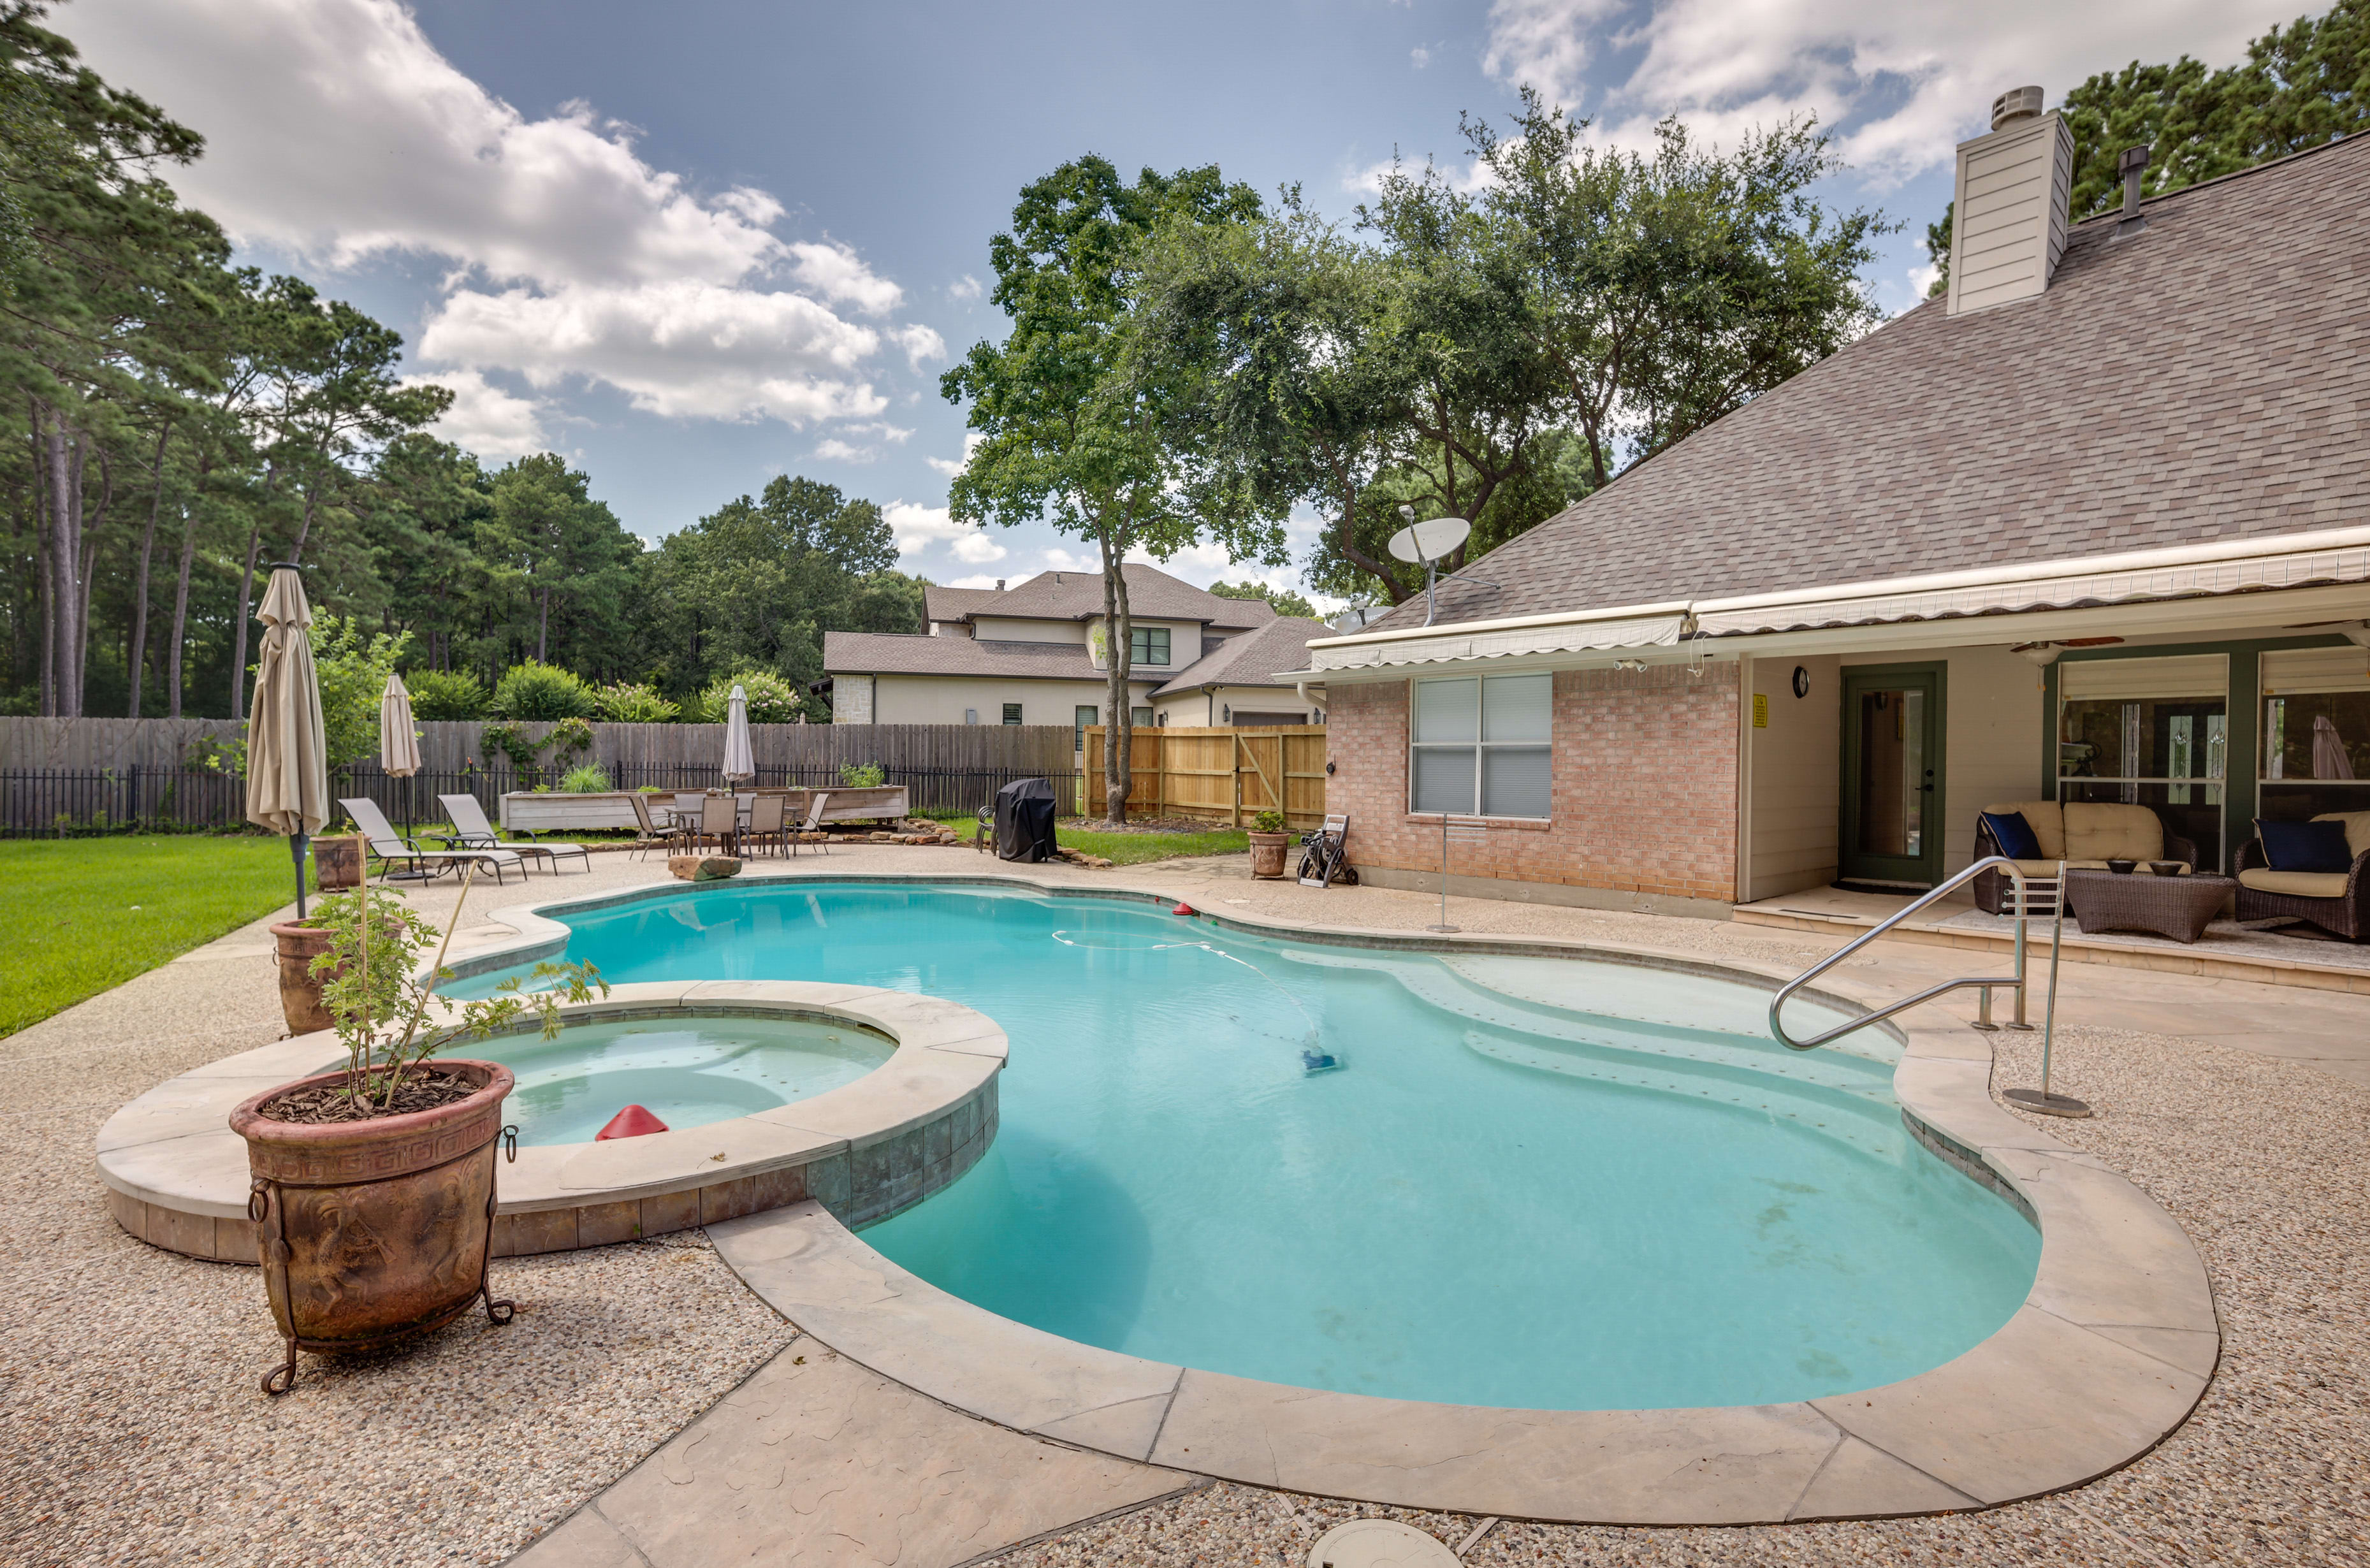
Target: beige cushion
[
  {"x": 2295, "y": 884},
  {"x": 2095, "y": 832},
  {"x": 2049, "y": 868},
  {"x": 2357, "y": 830},
  {"x": 2045, "y": 819}
]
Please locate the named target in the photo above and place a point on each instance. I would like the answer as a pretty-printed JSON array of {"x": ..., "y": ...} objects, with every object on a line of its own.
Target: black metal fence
[{"x": 64, "y": 802}]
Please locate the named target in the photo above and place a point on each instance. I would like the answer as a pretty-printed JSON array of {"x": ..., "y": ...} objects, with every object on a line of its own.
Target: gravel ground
[{"x": 2267, "y": 1166}]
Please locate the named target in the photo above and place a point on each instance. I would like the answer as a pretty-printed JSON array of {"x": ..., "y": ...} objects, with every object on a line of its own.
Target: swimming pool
[
  {"x": 1540, "y": 1183},
  {"x": 687, "y": 1074}
]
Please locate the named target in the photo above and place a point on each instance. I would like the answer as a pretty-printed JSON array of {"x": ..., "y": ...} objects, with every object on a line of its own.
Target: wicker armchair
[
  {"x": 1991, "y": 888},
  {"x": 2347, "y": 916}
]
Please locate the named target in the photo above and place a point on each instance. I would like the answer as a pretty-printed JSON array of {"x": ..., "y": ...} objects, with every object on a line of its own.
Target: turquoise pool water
[
  {"x": 687, "y": 1075},
  {"x": 1538, "y": 1182}
]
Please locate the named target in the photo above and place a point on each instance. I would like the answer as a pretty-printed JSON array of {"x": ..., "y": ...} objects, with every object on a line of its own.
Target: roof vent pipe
[
  {"x": 2131, "y": 163},
  {"x": 2014, "y": 105},
  {"x": 999, "y": 584}
]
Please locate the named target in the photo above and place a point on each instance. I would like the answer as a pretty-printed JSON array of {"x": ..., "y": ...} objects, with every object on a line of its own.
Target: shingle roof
[
  {"x": 1252, "y": 658},
  {"x": 1078, "y": 596},
  {"x": 2207, "y": 378},
  {"x": 891, "y": 653},
  {"x": 953, "y": 604}
]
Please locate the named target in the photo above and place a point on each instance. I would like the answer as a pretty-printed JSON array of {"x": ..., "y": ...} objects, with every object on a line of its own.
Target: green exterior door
[{"x": 1892, "y": 775}]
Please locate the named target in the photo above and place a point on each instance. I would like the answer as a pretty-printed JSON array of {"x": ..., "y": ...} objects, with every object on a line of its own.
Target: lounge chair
[
  {"x": 472, "y": 831},
  {"x": 390, "y": 847},
  {"x": 653, "y": 833}
]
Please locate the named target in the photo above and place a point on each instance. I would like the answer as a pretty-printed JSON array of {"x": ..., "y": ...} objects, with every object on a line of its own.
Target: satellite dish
[{"x": 1431, "y": 540}]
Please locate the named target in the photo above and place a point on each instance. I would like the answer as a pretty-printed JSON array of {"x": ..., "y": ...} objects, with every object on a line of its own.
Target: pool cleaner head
[{"x": 1313, "y": 1060}]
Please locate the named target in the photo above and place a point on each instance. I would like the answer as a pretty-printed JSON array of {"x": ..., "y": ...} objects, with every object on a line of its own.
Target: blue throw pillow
[
  {"x": 2013, "y": 834},
  {"x": 2305, "y": 846}
]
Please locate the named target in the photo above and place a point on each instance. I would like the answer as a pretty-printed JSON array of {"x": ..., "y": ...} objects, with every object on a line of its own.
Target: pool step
[{"x": 1650, "y": 1048}]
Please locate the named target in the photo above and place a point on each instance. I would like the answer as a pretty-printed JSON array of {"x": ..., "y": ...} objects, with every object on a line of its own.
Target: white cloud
[
  {"x": 838, "y": 273},
  {"x": 337, "y": 133},
  {"x": 1420, "y": 56},
  {"x": 1922, "y": 280},
  {"x": 917, "y": 528},
  {"x": 485, "y": 418},
  {"x": 964, "y": 287},
  {"x": 870, "y": 440},
  {"x": 687, "y": 348},
  {"x": 919, "y": 342},
  {"x": 976, "y": 581},
  {"x": 951, "y": 467},
  {"x": 1901, "y": 82}
]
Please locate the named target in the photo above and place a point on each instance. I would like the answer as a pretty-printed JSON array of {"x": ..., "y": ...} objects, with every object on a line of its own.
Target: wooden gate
[{"x": 1218, "y": 774}]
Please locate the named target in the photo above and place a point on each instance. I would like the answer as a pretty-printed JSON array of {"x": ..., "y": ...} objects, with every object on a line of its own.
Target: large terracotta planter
[
  {"x": 1268, "y": 852},
  {"x": 370, "y": 1231},
  {"x": 300, "y": 990}
]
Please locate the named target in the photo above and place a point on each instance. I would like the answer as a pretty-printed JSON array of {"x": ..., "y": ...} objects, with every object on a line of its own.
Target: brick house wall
[{"x": 1645, "y": 779}]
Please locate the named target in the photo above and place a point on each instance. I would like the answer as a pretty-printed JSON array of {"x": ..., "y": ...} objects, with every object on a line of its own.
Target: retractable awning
[{"x": 2215, "y": 570}]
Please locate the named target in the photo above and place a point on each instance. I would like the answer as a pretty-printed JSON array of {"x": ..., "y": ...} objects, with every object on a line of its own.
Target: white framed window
[{"x": 1481, "y": 745}]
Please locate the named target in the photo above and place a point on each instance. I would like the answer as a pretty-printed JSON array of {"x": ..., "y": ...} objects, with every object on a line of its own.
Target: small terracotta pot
[
  {"x": 1268, "y": 852},
  {"x": 372, "y": 1231},
  {"x": 300, "y": 988}
]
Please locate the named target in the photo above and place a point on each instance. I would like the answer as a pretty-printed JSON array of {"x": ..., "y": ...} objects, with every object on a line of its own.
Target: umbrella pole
[{"x": 296, "y": 853}]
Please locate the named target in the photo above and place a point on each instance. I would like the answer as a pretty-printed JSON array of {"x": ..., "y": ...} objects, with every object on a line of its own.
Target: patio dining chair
[
  {"x": 814, "y": 823},
  {"x": 651, "y": 832},
  {"x": 390, "y": 847},
  {"x": 472, "y": 831},
  {"x": 720, "y": 819},
  {"x": 767, "y": 820}
]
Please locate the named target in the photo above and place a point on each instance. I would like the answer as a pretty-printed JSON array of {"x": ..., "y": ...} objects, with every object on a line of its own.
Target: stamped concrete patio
[{"x": 134, "y": 1434}]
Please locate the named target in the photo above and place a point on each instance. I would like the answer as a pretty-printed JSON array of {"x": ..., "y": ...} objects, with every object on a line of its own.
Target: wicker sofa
[
  {"x": 2082, "y": 833},
  {"x": 2338, "y": 902}
]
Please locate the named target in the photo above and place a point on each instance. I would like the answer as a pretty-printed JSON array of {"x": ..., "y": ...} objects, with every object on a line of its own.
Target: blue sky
[{"x": 696, "y": 245}]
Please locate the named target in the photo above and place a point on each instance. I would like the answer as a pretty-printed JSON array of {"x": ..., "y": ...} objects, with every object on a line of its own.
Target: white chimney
[{"x": 2009, "y": 225}]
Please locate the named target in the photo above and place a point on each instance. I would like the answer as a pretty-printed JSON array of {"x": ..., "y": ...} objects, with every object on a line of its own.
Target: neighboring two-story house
[{"x": 1036, "y": 653}]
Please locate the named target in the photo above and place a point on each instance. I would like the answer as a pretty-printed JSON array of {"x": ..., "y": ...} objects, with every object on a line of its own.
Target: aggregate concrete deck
[{"x": 132, "y": 1433}]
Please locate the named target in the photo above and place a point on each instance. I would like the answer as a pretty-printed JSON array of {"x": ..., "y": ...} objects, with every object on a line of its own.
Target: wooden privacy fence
[
  {"x": 451, "y": 746},
  {"x": 1218, "y": 774}
]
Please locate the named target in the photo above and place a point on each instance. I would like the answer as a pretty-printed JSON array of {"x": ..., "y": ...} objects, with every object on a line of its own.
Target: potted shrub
[
  {"x": 373, "y": 1185},
  {"x": 1270, "y": 843}
]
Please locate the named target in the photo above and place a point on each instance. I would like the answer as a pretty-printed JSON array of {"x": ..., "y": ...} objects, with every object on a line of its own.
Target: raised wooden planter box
[
  {"x": 878, "y": 804},
  {"x": 569, "y": 814}
]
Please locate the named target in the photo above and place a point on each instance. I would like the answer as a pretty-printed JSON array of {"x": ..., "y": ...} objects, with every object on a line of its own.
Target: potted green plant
[
  {"x": 1270, "y": 843},
  {"x": 372, "y": 1186}
]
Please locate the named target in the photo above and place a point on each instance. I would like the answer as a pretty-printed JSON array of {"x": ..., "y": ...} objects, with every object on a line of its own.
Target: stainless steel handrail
[{"x": 2016, "y": 981}]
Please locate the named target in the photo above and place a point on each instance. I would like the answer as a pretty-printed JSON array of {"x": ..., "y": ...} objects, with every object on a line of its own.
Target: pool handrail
[{"x": 2052, "y": 889}]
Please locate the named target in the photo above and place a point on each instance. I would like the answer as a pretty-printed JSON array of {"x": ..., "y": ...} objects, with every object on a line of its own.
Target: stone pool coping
[
  {"x": 2113, "y": 1346},
  {"x": 177, "y": 1175}
]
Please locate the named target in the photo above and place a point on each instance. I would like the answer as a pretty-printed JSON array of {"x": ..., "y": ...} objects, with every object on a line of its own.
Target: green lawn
[
  {"x": 84, "y": 914},
  {"x": 1131, "y": 848}
]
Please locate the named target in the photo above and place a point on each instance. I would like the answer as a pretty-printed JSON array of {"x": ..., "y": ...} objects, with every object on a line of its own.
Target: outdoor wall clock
[{"x": 1802, "y": 681}]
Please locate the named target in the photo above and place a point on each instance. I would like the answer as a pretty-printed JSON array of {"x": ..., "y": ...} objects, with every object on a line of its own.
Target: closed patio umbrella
[
  {"x": 287, "y": 764},
  {"x": 398, "y": 741},
  {"x": 2328, "y": 758},
  {"x": 739, "y": 761}
]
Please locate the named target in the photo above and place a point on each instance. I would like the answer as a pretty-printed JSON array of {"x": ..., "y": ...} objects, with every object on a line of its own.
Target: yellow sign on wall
[{"x": 1761, "y": 711}]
